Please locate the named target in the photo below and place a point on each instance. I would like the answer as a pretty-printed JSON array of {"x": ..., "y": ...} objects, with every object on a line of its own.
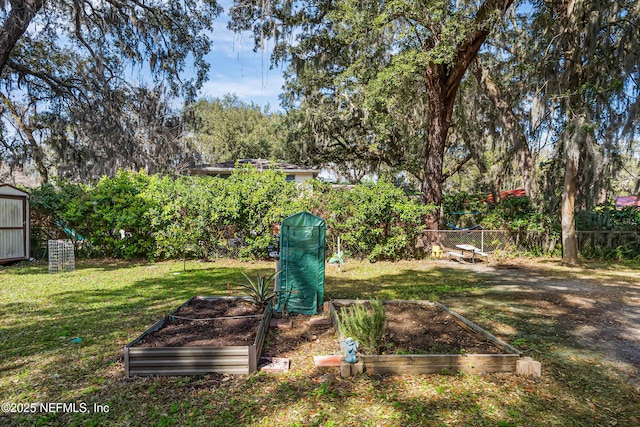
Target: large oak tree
[{"x": 385, "y": 45}]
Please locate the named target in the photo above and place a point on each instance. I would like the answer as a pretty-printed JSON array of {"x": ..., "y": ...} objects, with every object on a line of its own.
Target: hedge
[{"x": 133, "y": 215}]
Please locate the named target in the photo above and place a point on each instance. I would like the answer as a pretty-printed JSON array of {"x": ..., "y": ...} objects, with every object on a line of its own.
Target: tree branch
[
  {"x": 470, "y": 47},
  {"x": 21, "y": 15},
  {"x": 457, "y": 168},
  {"x": 53, "y": 82},
  {"x": 36, "y": 152}
]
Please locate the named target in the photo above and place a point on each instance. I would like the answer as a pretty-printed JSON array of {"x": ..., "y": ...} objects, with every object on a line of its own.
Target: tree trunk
[
  {"x": 569, "y": 241},
  {"x": 21, "y": 14},
  {"x": 512, "y": 128},
  {"x": 440, "y": 109},
  {"x": 442, "y": 81}
]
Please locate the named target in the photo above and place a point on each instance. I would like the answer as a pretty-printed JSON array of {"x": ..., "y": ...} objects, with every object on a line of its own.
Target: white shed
[{"x": 14, "y": 224}]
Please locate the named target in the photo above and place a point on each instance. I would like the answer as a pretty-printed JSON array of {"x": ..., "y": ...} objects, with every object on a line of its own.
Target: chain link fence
[
  {"x": 609, "y": 244},
  {"x": 485, "y": 240},
  {"x": 591, "y": 244}
]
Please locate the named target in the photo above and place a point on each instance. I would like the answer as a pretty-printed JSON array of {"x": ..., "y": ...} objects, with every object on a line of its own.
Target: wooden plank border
[
  {"x": 435, "y": 363},
  {"x": 472, "y": 327}
]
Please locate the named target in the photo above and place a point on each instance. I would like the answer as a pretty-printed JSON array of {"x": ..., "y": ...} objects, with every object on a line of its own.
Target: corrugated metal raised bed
[
  {"x": 195, "y": 360},
  {"x": 506, "y": 359}
]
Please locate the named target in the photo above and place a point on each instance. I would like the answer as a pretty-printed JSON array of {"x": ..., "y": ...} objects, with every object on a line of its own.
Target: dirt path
[{"x": 593, "y": 312}]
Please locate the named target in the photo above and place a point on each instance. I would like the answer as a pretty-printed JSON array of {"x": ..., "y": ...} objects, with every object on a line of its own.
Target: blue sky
[{"x": 236, "y": 68}]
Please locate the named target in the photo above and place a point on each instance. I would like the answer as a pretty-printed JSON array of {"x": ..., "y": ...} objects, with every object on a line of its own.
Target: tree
[
  {"x": 64, "y": 86},
  {"x": 420, "y": 51},
  {"x": 511, "y": 127},
  {"x": 228, "y": 129},
  {"x": 566, "y": 74},
  {"x": 163, "y": 33},
  {"x": 15, "y": 24},
  {"x": 587, "y": 80}
]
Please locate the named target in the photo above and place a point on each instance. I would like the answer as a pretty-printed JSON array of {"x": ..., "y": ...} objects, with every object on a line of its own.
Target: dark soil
[
  {"x": 302, "y": 340},
  {"x": 409, "y": 329},
  {"x": 216, "y": 333},
  {"x": 412, "y": 328}
]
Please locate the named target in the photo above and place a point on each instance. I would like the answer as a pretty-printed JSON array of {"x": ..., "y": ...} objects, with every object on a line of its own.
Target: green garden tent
[{"x": 302, "y": 252}]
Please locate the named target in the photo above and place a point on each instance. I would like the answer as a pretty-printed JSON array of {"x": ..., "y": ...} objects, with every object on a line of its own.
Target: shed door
[{"x": 13, "y": 228}]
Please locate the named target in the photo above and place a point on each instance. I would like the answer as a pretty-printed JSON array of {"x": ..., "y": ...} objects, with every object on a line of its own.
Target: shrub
[
  {"x": 117, "y": 224},
  {"x": 376, "y": 220},
  {"x": 364, "y": 324},
  {"x": 134, "y": 215}
]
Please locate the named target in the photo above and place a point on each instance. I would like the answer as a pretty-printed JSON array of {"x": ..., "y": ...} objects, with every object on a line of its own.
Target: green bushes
[
  {"x": 530, "y": 228},
  {"x": 133, "y": 215},
  {"x": 107, "y": 220},
  {"x": 117, "y": 225},
  {"x": 606, "y": 217},
  {"x": 375, "y": 220}
]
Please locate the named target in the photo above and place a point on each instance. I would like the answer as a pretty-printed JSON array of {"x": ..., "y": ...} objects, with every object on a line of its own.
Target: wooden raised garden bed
[
  {"x": 180, "y": 345},
  {"x": 422, "y": 337}
]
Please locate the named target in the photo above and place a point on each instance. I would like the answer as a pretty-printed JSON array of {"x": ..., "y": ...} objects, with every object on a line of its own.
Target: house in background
[
  {"x": 294, "y": 173},
  {"x": 520, "y": 192},
  {"x": 626, "y": 201}
]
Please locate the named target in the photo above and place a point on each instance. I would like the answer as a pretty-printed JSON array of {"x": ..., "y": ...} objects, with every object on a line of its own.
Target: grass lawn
[{"x": 109, "y": 303}]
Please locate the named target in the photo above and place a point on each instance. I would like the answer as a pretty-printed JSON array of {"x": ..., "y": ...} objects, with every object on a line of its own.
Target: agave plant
[{"x": 261, "y": 290}]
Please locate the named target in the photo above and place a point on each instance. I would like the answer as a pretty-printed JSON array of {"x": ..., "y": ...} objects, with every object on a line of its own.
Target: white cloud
[{"x": 254, "y": 88}]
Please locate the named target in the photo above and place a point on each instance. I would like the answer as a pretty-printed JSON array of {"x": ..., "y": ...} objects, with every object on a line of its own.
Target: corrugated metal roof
[
  {"x": 520, "y": 192},
  {"x": 260, "y": 164},
  {"x": 8, "y": 189},
  {"x": 626, "y": 201}
]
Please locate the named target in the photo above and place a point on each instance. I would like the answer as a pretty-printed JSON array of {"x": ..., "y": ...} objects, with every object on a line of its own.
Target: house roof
[
  {"x": 520, "y": 192},
  {"x": 260, "y": 164},
  {"x": 626, "y": 201}
]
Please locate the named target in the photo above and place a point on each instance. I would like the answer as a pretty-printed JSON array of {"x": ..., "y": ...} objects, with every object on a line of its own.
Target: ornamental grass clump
[{"x": 364, "y": 324}]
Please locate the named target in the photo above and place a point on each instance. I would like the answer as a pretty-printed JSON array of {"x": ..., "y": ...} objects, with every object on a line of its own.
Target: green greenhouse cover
[{"x": 302, "y": 252}]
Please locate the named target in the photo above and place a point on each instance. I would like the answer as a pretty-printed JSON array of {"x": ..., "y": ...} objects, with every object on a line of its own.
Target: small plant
[
  {"x": 261, "y": 291},
  {"x": 337, "y": 258},
  {"x": 363, "y": 324}
]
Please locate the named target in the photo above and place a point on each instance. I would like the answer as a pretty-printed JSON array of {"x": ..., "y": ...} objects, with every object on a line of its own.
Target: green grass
[{"x": 109, "y": 303}]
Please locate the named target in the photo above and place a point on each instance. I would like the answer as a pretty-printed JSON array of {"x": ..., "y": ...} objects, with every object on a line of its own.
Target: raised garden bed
[
  {"x": 229, "y": 340},
  {"x": 424, "y": 337}
]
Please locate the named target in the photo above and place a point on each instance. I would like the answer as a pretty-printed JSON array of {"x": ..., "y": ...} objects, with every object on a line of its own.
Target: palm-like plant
[{"x": 261, "y": 290}]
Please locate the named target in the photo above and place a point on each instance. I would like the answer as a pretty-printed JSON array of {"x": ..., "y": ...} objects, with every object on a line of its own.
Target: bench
[
  {"x": 483, "y": 254},
  {"x": 455, "y": 254}
]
